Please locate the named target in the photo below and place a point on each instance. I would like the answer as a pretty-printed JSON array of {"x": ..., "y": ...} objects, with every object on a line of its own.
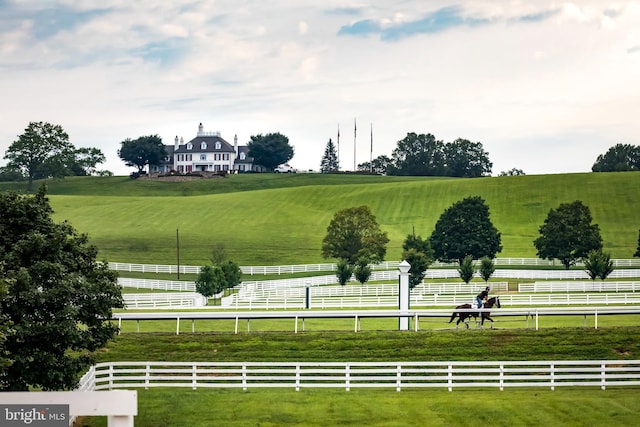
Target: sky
[{"x": 545, "y": 86}]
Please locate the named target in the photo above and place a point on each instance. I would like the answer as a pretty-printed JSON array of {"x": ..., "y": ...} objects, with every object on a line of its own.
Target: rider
[{"x": 482, "y": 296}]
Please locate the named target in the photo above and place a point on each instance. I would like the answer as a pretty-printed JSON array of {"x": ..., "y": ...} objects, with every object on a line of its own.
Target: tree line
[
  {"x": 43, "y": 151},
  {"x": 463, "y": 234}
]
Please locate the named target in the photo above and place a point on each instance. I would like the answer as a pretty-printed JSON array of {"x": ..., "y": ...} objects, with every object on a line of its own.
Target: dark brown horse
[{"x": 464, "y": 315}]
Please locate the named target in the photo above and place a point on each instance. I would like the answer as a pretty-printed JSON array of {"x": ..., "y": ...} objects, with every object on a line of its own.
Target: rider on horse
[{"x": 482, "y": 296}]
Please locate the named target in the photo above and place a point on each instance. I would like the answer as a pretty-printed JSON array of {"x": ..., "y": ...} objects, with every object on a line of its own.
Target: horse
[{"x": 462, "y": 316}]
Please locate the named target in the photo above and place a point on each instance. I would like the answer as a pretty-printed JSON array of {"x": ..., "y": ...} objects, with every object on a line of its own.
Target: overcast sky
[{"x": 545, "y": 86}]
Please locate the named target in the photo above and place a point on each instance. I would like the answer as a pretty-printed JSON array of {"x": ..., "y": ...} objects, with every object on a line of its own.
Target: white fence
[
  {"x": 303, "y": 268},
  {"x": 165, "y": 285},
  {"x": 349, "y": 375},
  {"x": 164, "y": 300},
  {"x": 357, "y": 315},
  {"x": 286, "y": 302},
  {"x": 580, "y": 286}
]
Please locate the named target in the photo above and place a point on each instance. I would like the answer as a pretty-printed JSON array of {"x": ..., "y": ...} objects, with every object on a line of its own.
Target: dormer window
[
  {"x": 243, "y": 156},
  {"x": 218, "y": 145},
  {"x": 203, "y": 145},
  {"x": 189, "y": 146}
]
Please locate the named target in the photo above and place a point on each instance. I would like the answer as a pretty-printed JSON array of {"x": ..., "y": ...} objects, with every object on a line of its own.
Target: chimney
[
  {"x": 176, "y": 143},
  {"x": 200, "y": 129},
  {"x": 235, "y": 144}
]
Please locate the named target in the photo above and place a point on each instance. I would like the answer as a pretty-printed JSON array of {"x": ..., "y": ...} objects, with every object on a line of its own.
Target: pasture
[
  {"x": 275, "y": 219},
  {"x": 375, "y": 407}
]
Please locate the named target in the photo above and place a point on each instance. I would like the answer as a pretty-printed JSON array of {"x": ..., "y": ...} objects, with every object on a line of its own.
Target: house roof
[
  {"x": 211, "y": 141},
  {"x": 243, "y": 149}
]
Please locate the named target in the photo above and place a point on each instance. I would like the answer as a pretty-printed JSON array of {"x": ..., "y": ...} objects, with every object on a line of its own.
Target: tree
[
  {"x": 270, "y": 150},
  {"x": 145, "y": 150},
  {"x": 512, "y": 172},
  {"x": 343, "y": 272},
  {"x": 620, "y": 157},
  {"x": 329, "y": 161},
  {"x": 467, "y": 270},
  {"x": 420, "y": 155},
  {"x": 60, "y": 299},
  {"x": 210, "y": 281},
  {"x": 465, "y": 229},
  {"x": 638, "y": 249},
  {"x": 567, "y": 234},
  {"x": 354, "y": 233},
  {"x": 487, "y": 268},
  {"x": 362, "y": 271},
  {"x": 10, "y": 173},
  {"x": 85, "y": 160},
  {"x": 232, "y": 273},
  {"x": 379, "y": 165},
  {"x": 5, "y": 324},
  {"x": 598, "y": 264},
  {"x": 466, "y": 159},
  {"x": 418, "y": 253},
  {"x": 40, "y": 152}
]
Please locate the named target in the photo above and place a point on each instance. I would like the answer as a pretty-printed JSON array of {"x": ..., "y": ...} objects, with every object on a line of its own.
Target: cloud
[
  {"x": 535, "y": 17},
  {"x": 441, "y": 20},
  {"x": 634, "y": 49}
]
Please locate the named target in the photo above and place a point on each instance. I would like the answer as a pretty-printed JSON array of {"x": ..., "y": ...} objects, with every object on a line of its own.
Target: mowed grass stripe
[
  {"x": 383, "y": 408},
  {"x": 287, "y": 225}
]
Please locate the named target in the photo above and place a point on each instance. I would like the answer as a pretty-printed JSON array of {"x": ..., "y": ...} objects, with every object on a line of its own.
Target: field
[
  {"x": 276, "y": 219},
  {"x": 376, "y": 407}
]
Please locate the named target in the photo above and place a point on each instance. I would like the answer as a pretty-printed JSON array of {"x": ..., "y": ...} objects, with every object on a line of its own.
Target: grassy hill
[{"x": 271, "y": 219}]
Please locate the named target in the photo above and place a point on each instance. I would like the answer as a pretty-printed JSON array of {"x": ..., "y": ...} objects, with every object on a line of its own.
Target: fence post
[
  {"x": 603, "y": 375},
  {"x": 450, "y": 377},
  {"x": 403, "y": 295},
  {"x": 194, "y": 376},
  {"x": 297, "y": 377},
  {"x": 244, "y": 377},
  {"x": 398, "y": 377},
  {"x": 347, "y": 373}
]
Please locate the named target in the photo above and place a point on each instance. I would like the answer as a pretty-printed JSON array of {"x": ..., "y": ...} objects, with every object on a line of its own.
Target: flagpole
[
  {"x": 371, "y": 152},
  {"x": 355, "y": 128},
  {"x": 338, "y": 146}
]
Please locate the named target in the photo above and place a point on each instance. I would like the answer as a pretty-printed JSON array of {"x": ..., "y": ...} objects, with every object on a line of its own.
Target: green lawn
[
  {"x": 269, "y": 219},
  {"x": 383, "y": 407}
]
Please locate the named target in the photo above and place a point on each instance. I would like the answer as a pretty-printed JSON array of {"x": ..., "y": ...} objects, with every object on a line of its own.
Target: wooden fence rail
[{"x": 348, "y": 375}]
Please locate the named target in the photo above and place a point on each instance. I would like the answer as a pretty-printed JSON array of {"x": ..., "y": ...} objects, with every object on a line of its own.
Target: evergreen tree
[{"x": 329, "y": 161}]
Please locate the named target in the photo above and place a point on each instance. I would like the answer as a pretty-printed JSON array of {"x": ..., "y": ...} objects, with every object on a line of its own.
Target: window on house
[
  {"x": 242, "y": 156},
  {"x": 226, "y": 156},
  {"x": 203, "y": 157},
  {"x": 203, "y": 145},
  {"x": 218, "y": 145},
  {"x": 189, "y": 146}
]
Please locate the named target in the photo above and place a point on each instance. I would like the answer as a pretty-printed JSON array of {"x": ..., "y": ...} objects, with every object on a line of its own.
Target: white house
[{"x": 207, "y": 152}]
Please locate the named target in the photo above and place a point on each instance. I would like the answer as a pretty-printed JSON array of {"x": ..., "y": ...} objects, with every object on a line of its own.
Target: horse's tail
[{"x": 453, "y": 316}]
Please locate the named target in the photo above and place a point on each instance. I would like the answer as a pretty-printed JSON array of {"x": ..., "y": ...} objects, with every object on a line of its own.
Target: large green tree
[
  {"x": 42, "y": 151},
  {"x": 270, "y": 150},
  {"x": 620, "y": 157},
  {"x": 210, "y": 281},
  {"x": 418, "y": 253},
  {"x": 420, "y": 155},
  {"x": 142, "y": 151},
  {"x": 59, "y": 299},
  {"x": 568, "y": 234},
  {"x": 329, "y": 162},
  {"x": 466, "y": 159},
  {"x": 354, "y": 233},
  {"x": 463, "y": 229}
]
